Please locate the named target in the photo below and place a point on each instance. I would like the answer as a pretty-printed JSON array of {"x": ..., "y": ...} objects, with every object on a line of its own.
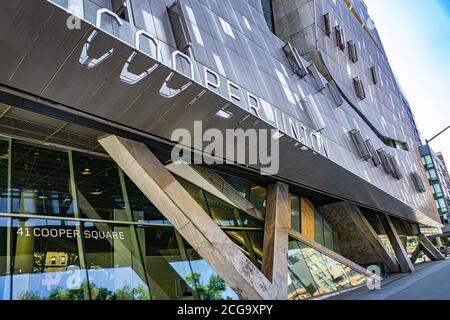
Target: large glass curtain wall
[
  {"x": 74, "y": 227},
  {"x": 313, "y": 274}
]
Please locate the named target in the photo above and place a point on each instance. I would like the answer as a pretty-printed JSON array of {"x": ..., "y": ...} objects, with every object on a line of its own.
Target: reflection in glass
[
  {"x": 99, "y": 190},
  {"x": 143, "y": 209},
  {"x": 301, "y": 284},
  {"x": 250, "y": 243},
  {"x": 4, "y": 159},
  {"x": 4, "y": 274},
  {"x": 114, "y": 263},
  {"x": 166, "y": 264},
  {"x": 313, "y": 274},
  {"x": 222, "y": 213},
  {"x": 295, "y": 213},
  {"x": 40, "y": 181},
  {"x": 39, "y": 249},
  {"x": 207, "y": 283}
]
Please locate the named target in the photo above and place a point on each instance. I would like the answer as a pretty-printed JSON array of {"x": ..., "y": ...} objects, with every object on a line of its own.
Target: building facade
[
  {"x": 440, "y": 184},
  {"x": 93, "y": 205}
]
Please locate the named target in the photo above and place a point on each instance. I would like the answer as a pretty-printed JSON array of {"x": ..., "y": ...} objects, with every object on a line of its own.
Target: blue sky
[{"x": 416, "y": 37}]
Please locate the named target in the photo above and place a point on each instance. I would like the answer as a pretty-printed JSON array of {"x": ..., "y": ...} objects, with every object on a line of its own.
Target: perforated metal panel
[
  {"x": 418, "y": 182},
  {"x": 313, "y": 111},
  {"x": 360, "y": 144},
  {"x": 375, "y": 157},
  {"x": 352, "y": 51},
  {"x": 359, "y": 88},
  {"x": 335, "y": 93},
  {"x": 340, "y": 37}
]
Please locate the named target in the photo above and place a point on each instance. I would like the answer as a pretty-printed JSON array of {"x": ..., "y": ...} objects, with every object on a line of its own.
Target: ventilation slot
[
  {"x": 313, "y": 111},
  {"x": 179, "y": 27},
  {"x": 340, "y": 37},
  {"x": 327, "y": 24},
  {"x": 359, "y": 88},
  {"x": 352, "y": 51},
  {"x": 375, "y": 158},
  {"x": 296, "y": 62},
  {"x": 374, "y": 73},
  {"x": 360, "y": 144},
  {"x": 315, "y": 73},
  {"x": 396, "y": 172},
  {"x": 335, "y": 93},
  {"x": 418, "y": 182}
]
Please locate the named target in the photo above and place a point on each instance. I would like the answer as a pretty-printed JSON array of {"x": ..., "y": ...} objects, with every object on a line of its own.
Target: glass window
[
  {"x": 319, "y": 235},
  {"x": 328, "y": 235},
  {"x": 114, "y": 262},
  {"x": 240, "y": 185},
  {"x": 4, "y": 270},
  {"x": 41, "y": 181},
  {"x": 258, "y": 196},
  {"x": 250, "y": 242},
  {"x": 337, "y": 272},
  {"x": 295, "y": 213},
  {"x": 4, "y": 159},
  {"x": 99, "y": 190},
  {"x": 143, "y": 209},
  {"x": 208, "y": 284},
  {"x": 433, "y": 174},
  {"x": 318, "y": 266},
  {"x": 36, "y": 244},
  {"x": 301, "y": 284}
]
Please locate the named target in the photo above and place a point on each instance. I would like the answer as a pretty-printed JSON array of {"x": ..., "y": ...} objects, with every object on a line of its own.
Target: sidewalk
[{"x": 431, "y": 281}]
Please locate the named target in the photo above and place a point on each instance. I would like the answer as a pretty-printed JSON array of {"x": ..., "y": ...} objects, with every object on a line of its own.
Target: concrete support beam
[
  {"x": 276, "y": 236},
  {"x": 359, "y": 241},
  {"x": 400, "y": 251},
  {"x": 209, "y": 180},
  {"x": 189, "y": 218},
  {"x": 429, "y": 249}
]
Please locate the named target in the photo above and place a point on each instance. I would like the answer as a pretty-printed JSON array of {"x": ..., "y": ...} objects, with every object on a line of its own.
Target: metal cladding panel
[{"x": 232, "y": 40}]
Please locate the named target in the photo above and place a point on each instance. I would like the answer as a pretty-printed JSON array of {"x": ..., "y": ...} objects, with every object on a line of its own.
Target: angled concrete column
[
  {"x": 276, "y": 236},
  {"x": 400, "y": 251},
  {"x": 189, "y": 218},
  {"x": 209, "y": 180},
  {"x": 359, "y": 241},
  {"x": 429, "y": 249}
]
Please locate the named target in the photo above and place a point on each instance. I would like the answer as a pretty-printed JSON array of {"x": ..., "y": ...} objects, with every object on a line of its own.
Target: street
[{"x": 431, "y": 281}]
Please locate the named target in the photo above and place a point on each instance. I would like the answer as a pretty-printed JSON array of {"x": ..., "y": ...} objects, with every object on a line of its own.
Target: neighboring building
[
  {"x": 441, "y": 157},
  {"x": 439, "y": 182},
  {"x": 93, "y": 204}
]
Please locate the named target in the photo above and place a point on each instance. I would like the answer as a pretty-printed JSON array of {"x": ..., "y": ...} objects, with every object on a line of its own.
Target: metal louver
[
  {"x": 418, "y": 182},
  {"x": 179, "y": 27},
  {"x": 340, "y": 37},
  {"x": 352, "y": 51},
  {"x": 374, "y": 73},
  {"x": 359, "y": 88},
  {"x": 295, "y": 60},
  {"x": 315, "y": 73},
  {"x": 360, "y": 144},
  {"x": 335, "y": 93},
  {"x": 327, "y": 24},
  {"x": 313, "y": 111},
  {"x": 396, "y": 172},
  {"x": 385, "y": 161},
  {"x": 375, "y": 157}
]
